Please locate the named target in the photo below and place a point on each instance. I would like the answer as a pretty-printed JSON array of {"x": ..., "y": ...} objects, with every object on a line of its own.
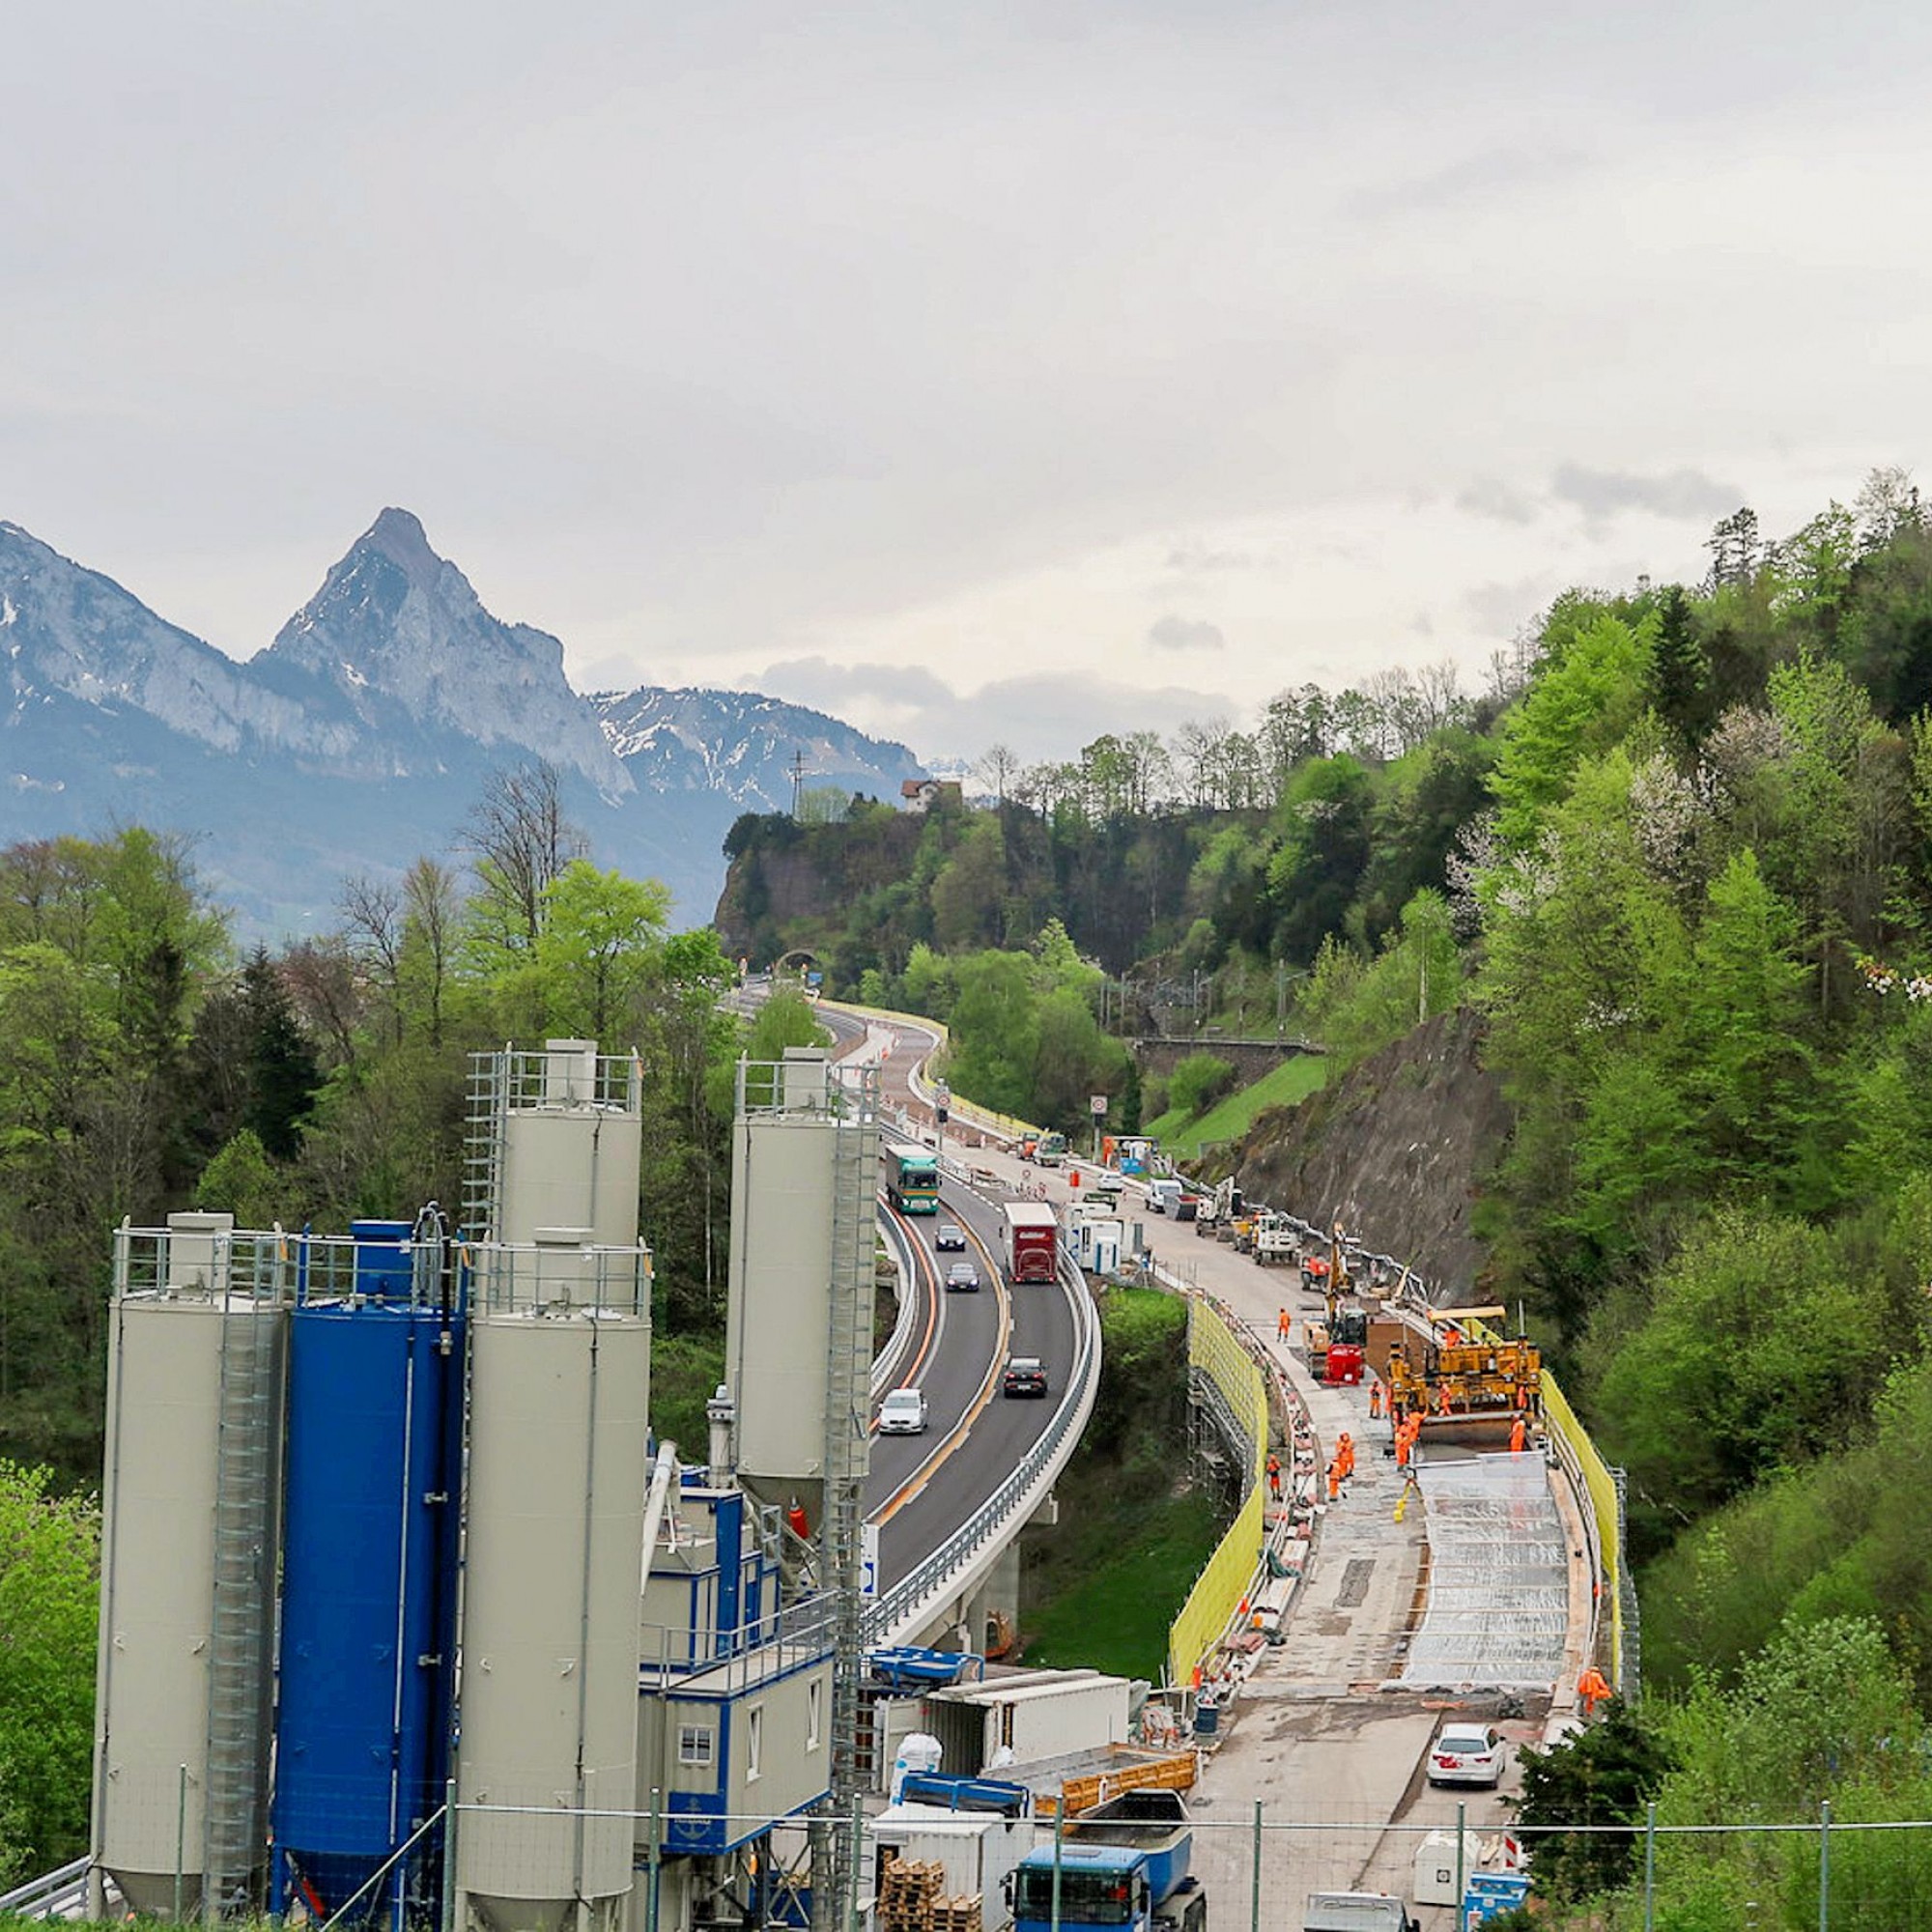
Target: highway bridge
[{"x": 949, "y": 1504}]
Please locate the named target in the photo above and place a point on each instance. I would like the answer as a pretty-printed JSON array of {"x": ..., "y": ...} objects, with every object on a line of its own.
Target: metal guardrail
[
  {"x": 916, "y": 1595},
  {"x": 55, "y": 1894},
  {"x": 884, "y": 1364}
]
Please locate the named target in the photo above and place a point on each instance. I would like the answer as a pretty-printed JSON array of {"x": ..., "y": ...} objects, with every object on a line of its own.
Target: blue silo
[{"x": 369, "y": 1580}]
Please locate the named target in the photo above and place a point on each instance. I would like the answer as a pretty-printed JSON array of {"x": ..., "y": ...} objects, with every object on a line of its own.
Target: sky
[{"x": 990, "y": 373}]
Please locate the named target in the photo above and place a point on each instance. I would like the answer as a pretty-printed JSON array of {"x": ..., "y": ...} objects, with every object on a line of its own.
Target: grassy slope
[
  {"x": 1101, "y": 1587},
  {"x": 1136, "y": 1563},
  {"x": 1230, "y": 1118}
]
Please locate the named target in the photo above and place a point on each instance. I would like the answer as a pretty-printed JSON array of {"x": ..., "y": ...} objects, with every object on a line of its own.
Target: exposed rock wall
[{"x": 1396, "y": 1150}]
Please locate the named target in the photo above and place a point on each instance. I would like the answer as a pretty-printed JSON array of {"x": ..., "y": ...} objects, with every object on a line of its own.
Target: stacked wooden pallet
[
  {"x": 957, "y": 1915},
  {"x": 909, "y": 1894}
]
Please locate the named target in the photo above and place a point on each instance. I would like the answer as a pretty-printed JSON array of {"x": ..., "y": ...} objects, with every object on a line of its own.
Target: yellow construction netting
[
  {"x": 1217, "y": 1592},
  {"x": 1559, "y": 1415}
]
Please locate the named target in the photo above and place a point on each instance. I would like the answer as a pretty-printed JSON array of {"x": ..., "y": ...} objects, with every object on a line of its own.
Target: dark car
[
  {"x": 964, "y": 1276},
  {"x": 1025, "y": 1374},
  {"x": 948, "y": 1235}
]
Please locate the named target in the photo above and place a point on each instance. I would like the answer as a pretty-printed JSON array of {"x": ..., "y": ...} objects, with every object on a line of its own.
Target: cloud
[
  {"x": 1184, "y": 633},
  {"x": 1501, "y": 610},
  {"x": 1680, "y": 493},
  {"x": 1199, "y": 558},
  {"x": 1474, "y": 177},
  {"x": 1046, "y": 715},
  {"x": 1489, "y": 497}
]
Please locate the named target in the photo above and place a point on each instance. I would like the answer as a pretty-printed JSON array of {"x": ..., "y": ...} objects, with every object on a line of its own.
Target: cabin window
[{"x": 693, "y": 1744}]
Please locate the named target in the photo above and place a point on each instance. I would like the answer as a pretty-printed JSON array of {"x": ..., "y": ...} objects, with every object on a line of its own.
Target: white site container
[{"x": 1436, "y": 1867}]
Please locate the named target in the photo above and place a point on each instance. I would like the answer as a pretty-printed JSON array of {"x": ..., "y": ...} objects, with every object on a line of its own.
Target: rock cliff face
[{"x": 1396, "y": 1150}]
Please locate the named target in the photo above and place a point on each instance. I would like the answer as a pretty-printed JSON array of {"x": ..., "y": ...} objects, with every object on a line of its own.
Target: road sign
[
  {"x": 1098, "y": 1106},
  {"x": 868, "y": 1560}
]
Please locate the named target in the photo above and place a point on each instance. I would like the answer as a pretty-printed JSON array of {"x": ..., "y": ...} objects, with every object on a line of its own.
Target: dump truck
[{"x": 1124, "y": 1863}]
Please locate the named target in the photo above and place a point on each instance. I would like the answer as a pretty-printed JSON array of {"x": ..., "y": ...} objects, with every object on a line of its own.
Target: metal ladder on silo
[
  {"x": 855, "y": 1160},
  {"x": 483, "y": 1142},
  {"x": 247, "y": 1458}
]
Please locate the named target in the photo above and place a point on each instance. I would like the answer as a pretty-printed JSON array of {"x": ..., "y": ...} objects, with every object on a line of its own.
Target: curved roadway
[{"x": 922, "y": 1488}]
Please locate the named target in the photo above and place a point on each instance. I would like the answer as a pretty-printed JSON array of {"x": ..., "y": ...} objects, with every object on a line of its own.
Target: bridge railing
[
  {"x": 886, "y": 1363},
  {"x": 917, "y": 1594}
]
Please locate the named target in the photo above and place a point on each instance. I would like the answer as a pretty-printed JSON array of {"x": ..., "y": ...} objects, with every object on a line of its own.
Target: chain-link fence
[{"x": 1256, "y": 1864}]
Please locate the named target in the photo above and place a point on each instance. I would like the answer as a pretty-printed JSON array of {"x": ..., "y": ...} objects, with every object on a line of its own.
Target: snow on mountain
[
  {"x": 396, "y": 634},
  {"x": 743, "y": 745},
  {"x": 71, "y": 631},
  {"x": 361, "y": 737}
]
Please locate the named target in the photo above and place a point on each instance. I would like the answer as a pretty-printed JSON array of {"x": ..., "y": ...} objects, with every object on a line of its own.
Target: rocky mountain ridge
[{"x": 360, "y": 736}]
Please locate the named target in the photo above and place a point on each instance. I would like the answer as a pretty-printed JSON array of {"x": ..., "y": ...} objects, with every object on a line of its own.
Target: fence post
[
  {"x": 181, "y": 1839},
  {"x": 1825, "y": 1866},
  {"x": 448, "y": 1912},
  {"x": 1255, "y": 1900},
  {"x": 1650, "y": 1867},
  {"x": 653, "y": 1858},
  {"x": 1059, "y": 1841},
  {"x": 1462, "y": 1877}
]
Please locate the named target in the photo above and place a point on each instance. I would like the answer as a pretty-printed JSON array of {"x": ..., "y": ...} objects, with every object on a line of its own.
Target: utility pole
[{"x": 797, "y": 779}]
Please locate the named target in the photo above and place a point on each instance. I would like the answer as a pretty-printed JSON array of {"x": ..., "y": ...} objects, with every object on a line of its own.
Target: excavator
[{"x": 1337, "y": 1344}]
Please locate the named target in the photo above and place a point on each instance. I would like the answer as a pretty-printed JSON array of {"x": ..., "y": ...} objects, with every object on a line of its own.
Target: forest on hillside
[
  {"x": 1679, "y": 860},
  {"x": 147, "y": 1065}
]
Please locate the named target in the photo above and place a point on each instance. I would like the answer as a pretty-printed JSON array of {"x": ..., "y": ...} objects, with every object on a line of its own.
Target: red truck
[{"x": 1033, "y": 1242}]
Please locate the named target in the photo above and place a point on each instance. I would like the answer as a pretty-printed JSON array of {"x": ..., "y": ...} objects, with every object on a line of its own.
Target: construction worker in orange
[
  {"x": 1518, "y": 1433},
  {"x": 1274, "y": 1476},
  {"x": 1591, "y": 1691},
  {"x": 1344, "y": 1453},
  {"x": 1281, "y": 1324},
  {"x": 1442, "y": 1397},
  {"x": 1403, "y": 1441},
  {"x": 1334, "y": 1479},
  {"x": 1374, "y": 1400}
]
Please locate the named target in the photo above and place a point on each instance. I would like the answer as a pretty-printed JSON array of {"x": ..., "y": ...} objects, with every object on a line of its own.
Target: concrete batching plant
[{"x": 421, "y": 1454}]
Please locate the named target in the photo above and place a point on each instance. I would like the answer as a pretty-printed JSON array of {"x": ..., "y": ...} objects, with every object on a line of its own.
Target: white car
[
  {"x": 1467, "y": 1755},
  {"x": 902, "y": 1413}
]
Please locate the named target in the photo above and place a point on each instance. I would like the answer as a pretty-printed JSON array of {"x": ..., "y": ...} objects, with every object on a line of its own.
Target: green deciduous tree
[
  {"x": 1583, "y": 700},
  {"x": 49, "y": 1563}
]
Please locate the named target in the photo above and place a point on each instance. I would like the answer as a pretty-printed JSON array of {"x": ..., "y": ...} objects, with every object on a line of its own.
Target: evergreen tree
[
  {"x": 1679, "y": 679},
  {"x": 283, "y": 1075}
]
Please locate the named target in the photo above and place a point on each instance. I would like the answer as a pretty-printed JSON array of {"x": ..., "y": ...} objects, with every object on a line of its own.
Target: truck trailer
[
  {"x": 1032, "y": 1243},
  {"x": 1025, "y": 1717}
]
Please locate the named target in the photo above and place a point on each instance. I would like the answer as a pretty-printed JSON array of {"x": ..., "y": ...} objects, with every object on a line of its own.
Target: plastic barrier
[{"x": 1601, "y": 1489}]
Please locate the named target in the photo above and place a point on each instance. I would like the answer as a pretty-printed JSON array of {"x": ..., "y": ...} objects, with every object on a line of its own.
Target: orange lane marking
[{"x": 919, "y": 1477}]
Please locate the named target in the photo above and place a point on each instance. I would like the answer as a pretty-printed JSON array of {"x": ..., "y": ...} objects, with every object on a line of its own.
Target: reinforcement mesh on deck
[{"x": 1498, "y": 1598}]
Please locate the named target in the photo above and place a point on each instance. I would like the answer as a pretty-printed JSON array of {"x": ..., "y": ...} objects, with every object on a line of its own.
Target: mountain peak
[
  {"x": 397, "y": 634},
  {"x": 399, "y": 535}
]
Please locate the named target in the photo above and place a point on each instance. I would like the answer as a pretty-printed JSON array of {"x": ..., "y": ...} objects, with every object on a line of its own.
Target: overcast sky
[{"x": 995, "y": 371}]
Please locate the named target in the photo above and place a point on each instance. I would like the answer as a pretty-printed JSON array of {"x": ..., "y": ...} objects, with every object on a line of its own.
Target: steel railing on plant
[
  {"x": 54, "y": 1895},
  {"x": 1016, "y": 1498}
]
